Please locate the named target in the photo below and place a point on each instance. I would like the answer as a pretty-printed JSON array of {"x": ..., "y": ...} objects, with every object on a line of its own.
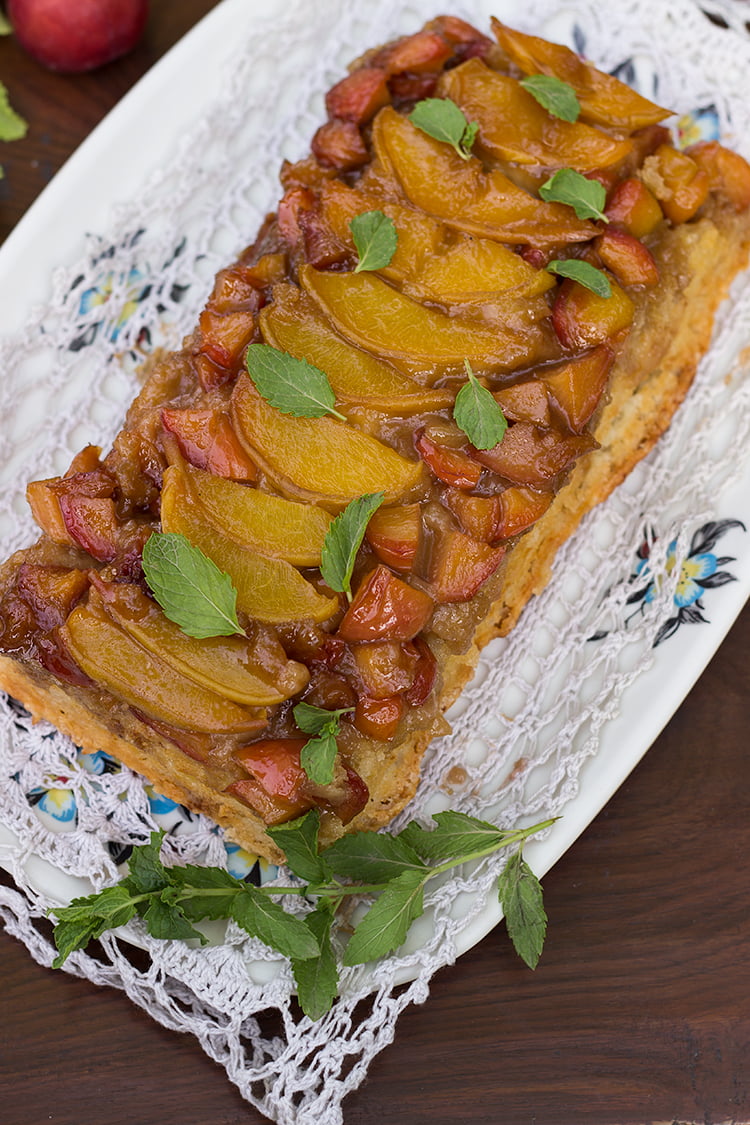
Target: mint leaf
[
  {"x": 317, "y": 978},
  {"x": 12, "y": 125},
  {"x": 318, "y": 755},
  {"x": 344, "y": 538},
  {"x": 557, "y": 97},
  {"x": 586, "y": 197},
  {"x": 520, "y": 895},
  {"x": 386, "y": 924},
  {"x": 442, "y": 119},
  {"x": 72, "y": 934},
  {"x": 205, "y": 892},
  {"x": 146, "y": 872},
  {"x": 456, "y": 834},
  {"x": 298, "y": 839},
  {"x": 313, "y": 720},
  {"x": 371, "y": 857},
  {"x": 87, "y": 918},
  {"x": 266, "y": 920},
  {"x": 167, "y": 920},
  {"x": 291, "y": 385},
  {"x": 189, "y": 587},
  {"x": 477, "y": 414},
  {"x": 584, "y": 273},
  {"x": 375, "y": 238}
]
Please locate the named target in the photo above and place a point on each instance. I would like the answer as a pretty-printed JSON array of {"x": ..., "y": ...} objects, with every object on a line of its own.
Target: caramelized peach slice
[
  {"x": 385, "y": 608},
  {"x": 583, "y": 319},
  {"x": 320, "y": 460},
  {"x": 728, "y": 172},
  {"x": 633, "y": 205},
  {"x": 256, "y": 674},
  {"x": 45, "y": 508},
  {"x": 268, "y": 524},
  {"x": 460, "y": 193},
  {"x": 460, "y": 566},
  {"x": 529, "y": 455},
  {"x": 293, "y": 323},
  {"x": 50, "y": 591},
  {"x": 526, "y": 401},
  {"x": 118, "y": 662},
  {"x": 629, "y": 260},
  {"x": 677, "y": 181},
  {"x": 514, "y": 126},
  {"x": 576, "y": 387},
  {"x": 375, "y": 316},
  {"x": 519, "y": 509},
  {"x": 451, "y": 466},
  {"x": 604, "y": 99},
  {"x": 268, "y": 590},
  {"x": 207, "y": 440},
  {"x": 379, "y": 718},
  {"x": 394, "y": 535}
]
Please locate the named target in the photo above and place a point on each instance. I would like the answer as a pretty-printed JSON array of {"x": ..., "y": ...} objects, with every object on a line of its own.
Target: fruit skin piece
[
  {"x": 254, "y": 674},
  {"x": 112, "y": 658},
  {"x": 268, "y": 590},
  {"x": 395, "y": 534},
  {"x": 460, "y": 566},
  {"x": 76, "y": 36},
  {"x": 582, "y": 319},
  {"x": 385, "y": 608},
  {"x": 320, "y": 460}
]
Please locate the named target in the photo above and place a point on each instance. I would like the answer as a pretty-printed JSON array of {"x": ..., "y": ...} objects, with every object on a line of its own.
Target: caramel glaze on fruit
[{"x": 467, "y": 281}]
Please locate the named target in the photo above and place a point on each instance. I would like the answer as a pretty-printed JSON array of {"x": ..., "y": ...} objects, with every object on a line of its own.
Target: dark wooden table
[{"x": 640, "y": 1008}]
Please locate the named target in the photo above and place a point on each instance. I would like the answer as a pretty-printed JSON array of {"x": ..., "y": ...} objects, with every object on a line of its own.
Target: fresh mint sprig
[
  {"x": 343, "y": 540},
  {"x": 584, "y": 273},
  {"x": 557, "y": 97},
  {"x": 393, "y": 869},
  {"x": 189, "y": 587},
  {"x": 586, "y": 197},
  {"x": 442, "y": 119},
  {"x": 478, "y": 414},
  {"x": 318, "y": 755},
  {"x": 291, "y": 385},
  {"x": 376, "y": 238}
]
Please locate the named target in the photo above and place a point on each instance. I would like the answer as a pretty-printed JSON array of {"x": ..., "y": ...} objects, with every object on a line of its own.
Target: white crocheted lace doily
[{"x": 524, "y": 730}]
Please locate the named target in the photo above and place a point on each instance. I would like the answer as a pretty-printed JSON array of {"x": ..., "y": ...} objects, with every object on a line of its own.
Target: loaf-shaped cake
[{"x": 480, "y": 301}]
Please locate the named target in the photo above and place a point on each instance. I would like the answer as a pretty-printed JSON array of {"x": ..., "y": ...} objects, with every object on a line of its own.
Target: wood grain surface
[{"x": 639, "y": 1011}]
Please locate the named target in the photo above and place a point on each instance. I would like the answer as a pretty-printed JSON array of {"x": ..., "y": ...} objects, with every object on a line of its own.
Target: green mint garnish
[
  {"x": 291, "y": 385},
  {"x": 520, "y": 895},
  {"x": 477, "y": 414},
  {"x": 586, "y": 197},
  {"x": 343, "y": 540},
  {"x": 189, "y": 587},
  {"x": 442, "y": 119},
  {"x": 557, "y": 97},
  {"x": 584, "y": 273},
  {"x": 318, "y": 755},
  {"x": 375, "y": 238}
]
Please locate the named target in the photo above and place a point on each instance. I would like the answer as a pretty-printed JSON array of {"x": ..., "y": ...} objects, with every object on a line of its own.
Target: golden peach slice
[
  {"x": 375, "y": 316},
  {"x": 603, "y": 99},
  {"x": 320, "y": 460},
  {"x": 268, "y": 590},
  {"x": 294, "y": 324},
  {"x": 268, "y": 524},
  {"x": 256, "y": 674},
  {"x": 116, "y": 660},
  {"x": 514, "y": 126},
  {"x": 433, "y": 177}
]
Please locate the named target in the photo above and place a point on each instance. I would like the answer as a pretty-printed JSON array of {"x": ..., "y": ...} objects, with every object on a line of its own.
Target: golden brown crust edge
[{"x": 649, "y": 381}]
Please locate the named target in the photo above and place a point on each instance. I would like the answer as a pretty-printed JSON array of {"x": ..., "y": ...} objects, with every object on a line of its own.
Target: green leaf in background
[
  {"x": 520, "y": 895},
  {"x": 219, "y": 891},
  {"x": 266, "y": 920},
  {"x": 298, "y": 839},
  {"x": 317, "y": 977},
  {"x": 477, "y": 414},
  {"x": 372, "y": 857},
  {"x": 291, "y": 385},
  {"x": 376, "y": 240},
  {"x": 386, "y": 924},
  {"x": 584, "y": 273},
  {"x": 166, "y": 919},
  {"x": 557, "y": 97},
  {"x": 343, "y": 540},
  {"x": 442, "y": 119},
  {"x": 586, "y": 197},
  {"x": 146, "y": 872},
  {"x": 189, "y": 587},
  {"x": 12, "y": 125},
  {"x": 455, "y": 834}
]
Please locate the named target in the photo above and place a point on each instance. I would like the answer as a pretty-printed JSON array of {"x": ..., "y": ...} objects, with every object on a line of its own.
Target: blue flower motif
[
  {"x": 159, "y": 804},
  {"x": 98, "y": 762},
  {"x": 700, "y": 125},
  {"x": 60, "y": 804}
]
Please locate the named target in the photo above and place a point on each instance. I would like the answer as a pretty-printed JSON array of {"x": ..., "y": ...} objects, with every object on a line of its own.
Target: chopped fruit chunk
[
  {"x": 359, "y": 96},
  {"x": 603, "y": 98},
  {"x": 45, "y": 508},
  {"x": 477, "y": 515},
  {"x": 379, "y": 718},
  {"x": 458, "y": 31},
  {"x": 111, "y": 657},
  {"x": 320, "y": 460},
  {"x": 727, "y": 171},
  {"x": 207, "y": 440},
  {"x": 295, "y": 203},
  {"x": 234, "y": 289},
  {"x": 520, "y": 508},
  {"x": 425, "y": 51},
  {"x": 270, "y": 590},
  {"x": 460, "y": 566},
  {"x": 677, "y": 181},
  {"x": 425, "y": 674},
  {"x": 394, "y": 535},
  {"x": 451, "y": 466},
  {"x": 385, "y": 608},
  {"x": 583, "y": 319},
  {"x": 629, "y": 260},
  {"x": 223, "y": 337},
  {"x": 254, "y": 674},
  {"x": 576, "y": 387},
  {"x": 514, "y": 126},
  {"x": 385, "y": 667},
  {"x": 529, "y": 455},
  {"x": 633, "y": 205},
  {"x": 92, "y": 523},
  {"x": 525, "y": 402},
  {"x": 268, "y": 524},
  {"x": 339, "y": 144},
  {"x": 460, "y": 193},
  {"x": 50, "y": 591}
]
